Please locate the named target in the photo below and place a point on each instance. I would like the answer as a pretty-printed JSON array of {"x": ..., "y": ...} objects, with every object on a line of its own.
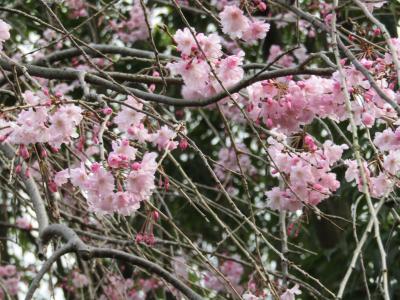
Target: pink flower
[
  {"x": 380, "y": 185},
  {"x": 140, "y": 182},
  {"x": 139, "y": 133},
  {"x": 257, "y": 30},
  {"x": 61, "y": 177},
  {"x": 386, "y": 140},
  {"x": 211, "y": 45},
  {"x": 230, "y": 70},
  {"x": 116, "y": 160},
  {"x": 301, "y": 174},
  {"x": 232, "y": 270},
  {"x": 71, "y": 112},
  {"x": 79, "y": 176},
  {"x": 134, "y": 28},
  {"x": 4, "y": 31},
  {"x": 391, "y": 162},
  {"x": 164, "y": 138},
  {"x": 352, "y": 170},
  {"x": 274, "y": 197},
  {"x": 179, "y": 265},
  {"x": 125, "y": 203},
  {"x": 23, "y": 223},
  {"x": 101, "y": 182},
  {"x": 129, "y": 116},
  {"x": 333, "y": 152},
  {"x": 234, "y": 22},
  {"x": 32, "y": 98},
  {"x": 291, "y": 293},
  {"x": 371, "y": 5},
  {"x": 79, "y": 280},
  {"x": 185, "y": 41},
  {"x": 250, "y": 296},
  {"x": 212, "y": 282},
  {"x": 123, "y": 147}
]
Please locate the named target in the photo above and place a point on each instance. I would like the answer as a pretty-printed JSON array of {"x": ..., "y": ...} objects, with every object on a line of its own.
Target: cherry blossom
[
  {"x": 234, "y": 22},
  {"x": 290, "y": 294}
]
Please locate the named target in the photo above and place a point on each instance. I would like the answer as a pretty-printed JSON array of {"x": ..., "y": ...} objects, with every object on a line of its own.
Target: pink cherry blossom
[
  {"x": 129, "y": 115},
  {"x": 185, "y": 41},
  {"x": 23, "y": 223},
  {"x": 61, "y": 177},
  {"x": 257, "y": 30},
  {"x": 234, "y": 22},
  {"x": 164, "y": 138},
  {"x": 290, "y": 294},
  {"x": 391, "y": 162},
  {"x": 4, "y": 31}
]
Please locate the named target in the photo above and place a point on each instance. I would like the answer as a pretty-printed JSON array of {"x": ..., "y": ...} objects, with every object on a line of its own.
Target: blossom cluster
[
  {"x": 306, "y": 176},
  {"x": 99, "y": 183},
  {"x": 286, "y": 104},
  {"x": 227, "y": 161},
  {"x": 232, "y": 270},
  {"x": 130, "y": 122},
  {"x": 237, "y": 25},
  {"x": 198, "y": 55},
  {"x": 134, "y": 28},
  {"x": 381, "y": 175},
  {"x": 125, "y": 288},
  {"x": 10, "y": 281},
  {"x": 79, "y": 8},
  {"x": 47, "y": 120}
]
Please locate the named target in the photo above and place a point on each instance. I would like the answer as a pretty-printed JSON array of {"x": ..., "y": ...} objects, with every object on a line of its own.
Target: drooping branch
[
  {"x": 319, "y": 24},
  {"x": 45, "y": 268},
  {"x": 75, "y": 244},
  {"x": 31, "y": 189},
  {"x": 71, "y": 74},
  {"x": 104, "y": 49}
]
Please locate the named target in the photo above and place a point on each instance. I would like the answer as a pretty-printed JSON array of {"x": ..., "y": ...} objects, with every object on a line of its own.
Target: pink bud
[
  {"x": 377, "y": 32},
  {"x": 27, "y": 173},
  {"x": 54, "y": 149},
  {"x": 114, "y": 160},
  {"x": 23, "y": 152},
  {"x": 43, "y": 153},
  {"x": 269, "y": 123},
  {"x": 107, "y": 111},
  {"x": 183, "y": 144},
  {"x": 368, "y": 119},
  {"x": 95, "y": 167},
  {"x": 317, "y": 187},
  {"x": 156, "y": 216},
  {"x": 58, "y": 94},
  {"x": 52, "y": 186},
  {"x": 179, "y": 113},
  {"x": 18, "y": 169},
  {"x": 152, "y": 87},
  {"x": 166, "y": 184},
  {"x": 139, "y": 238},
  {"x": 290, "y": 228},
  {"x": 2, "y": 138},
  {"x": 328, "y": 19},
  {"x": 262, "y": 6},
  {"x": 150, "y": 240},
  {"x": 135, "y": 166}
]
